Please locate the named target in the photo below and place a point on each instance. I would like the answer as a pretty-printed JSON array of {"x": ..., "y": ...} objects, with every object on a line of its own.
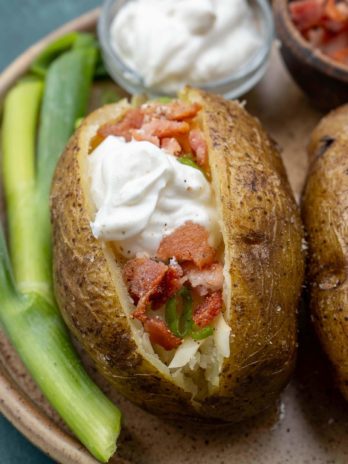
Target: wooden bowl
[{"x": 323, "y": 80}]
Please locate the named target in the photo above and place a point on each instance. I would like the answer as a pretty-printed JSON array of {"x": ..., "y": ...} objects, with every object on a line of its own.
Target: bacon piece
[
  {"x": 207, "y": 311},
  {"x": 205, "y": 280},
  {"x": 335, "y": 44},
  {"x": 179, "y": 111},
  {"x": 340, "y": 55},
  {"x": 143, "y": 277},
  {"x": 187, "y": 243},
  {"x": 160, "y": 334},
  {"x": 171, "y": 145},
  {"x": 141, "y": 136},
  {"x": 174, "y": 111},
  {"x": 198, "y": 146},
  {"x": 169, "y": 285},
  {"x": 307, "y": 13},
  {"x": 336, "y": 11},
  {"x": 163, "y": 128},
  {"x": 133, "y": 120}
]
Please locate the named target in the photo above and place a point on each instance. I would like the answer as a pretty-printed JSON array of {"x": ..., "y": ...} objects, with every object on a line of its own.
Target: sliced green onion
[
  {"x": 188, "y": 161},
  {"x": 202, "y": 333},
  {"x": 186, "y": 316},
  {"x": 172, "y": 317},
  {"x": 179, "y": 325},
  {"x": 163, "y": 100}
]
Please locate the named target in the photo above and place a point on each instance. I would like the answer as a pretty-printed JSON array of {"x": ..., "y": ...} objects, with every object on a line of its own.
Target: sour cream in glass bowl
[{"x": 158, "y": 46}]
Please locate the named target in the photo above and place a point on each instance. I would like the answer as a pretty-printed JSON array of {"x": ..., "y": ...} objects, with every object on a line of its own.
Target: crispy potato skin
[
  {"x": 325, "y": 214},
  {"x": 263, "y": 236}
]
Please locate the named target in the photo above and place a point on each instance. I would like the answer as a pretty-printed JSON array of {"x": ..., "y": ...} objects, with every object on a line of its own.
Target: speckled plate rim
[{"x": 15, "y": 405}]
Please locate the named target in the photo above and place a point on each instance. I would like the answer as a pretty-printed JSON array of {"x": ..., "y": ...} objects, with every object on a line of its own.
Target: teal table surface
[{"x": 22, "y": 23}]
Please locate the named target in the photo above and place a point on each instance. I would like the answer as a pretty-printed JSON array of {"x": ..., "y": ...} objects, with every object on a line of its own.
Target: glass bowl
[{"x": 233, "y": 86}]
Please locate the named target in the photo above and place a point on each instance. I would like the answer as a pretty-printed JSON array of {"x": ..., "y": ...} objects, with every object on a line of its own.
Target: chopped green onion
[
  {"x": 202, "y": 333},
  {"x": 179, "y": 325},
  {"x": 163, "y": 100},
  {"x": 78, "y": 123},
  {"x": 172, "y": 317},
  {"x": 188, "y": 161},
  {"x": 186, "y": 316}
]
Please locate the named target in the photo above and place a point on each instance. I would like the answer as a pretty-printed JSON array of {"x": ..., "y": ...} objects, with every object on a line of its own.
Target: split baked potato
[
  {"x": 263, "y": 272},
  {"x": 325, "y": 215}
]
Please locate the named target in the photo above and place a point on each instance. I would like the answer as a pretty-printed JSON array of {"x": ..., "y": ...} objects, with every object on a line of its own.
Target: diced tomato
[
  {"x": 171, "y": 145},
  {"x": 132, "y": 120},
  {"x": 207, "y": 311},
  {"x": 307, "y": 13},
  {"x": 160, "y": 334},
  {"x": 198, "y": 146},
  {"x": 187, "y": 243}
]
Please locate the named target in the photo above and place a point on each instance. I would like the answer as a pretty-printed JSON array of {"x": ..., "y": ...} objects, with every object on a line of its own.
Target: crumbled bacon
[
  {"x": 173, "y": 111},
  {"x": 324, "y": 23},
  {"x": 179, "y": 111},
  {"x": 133, "y": 120},
  {"x": 160, "y": 334},
  {"x": 306, "y": 13},
  {"x": 142, "y": 277},
  {"x": 163, "y": 128},
  {"x": 169, "y": 285},
  {"x": 198, "y": 146},
  {"x": 336, "y": 11},
  {"x": 171, "y": 145},
  {"x": 150, "y": 281},
  {"x": 205, "y": 280},
  {"x": 207, "y": 311},
  {"x": 141, "y": 136},
  {"x": 187, "y": 243}
]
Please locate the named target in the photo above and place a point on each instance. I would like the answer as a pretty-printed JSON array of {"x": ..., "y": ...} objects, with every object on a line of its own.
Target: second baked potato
[
  {"x": 262, "y": 271},
  {"x": 325, "y": 215}
]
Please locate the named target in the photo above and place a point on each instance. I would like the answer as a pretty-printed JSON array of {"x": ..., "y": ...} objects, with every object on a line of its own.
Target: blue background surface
[{"x": 22, "y": 23}]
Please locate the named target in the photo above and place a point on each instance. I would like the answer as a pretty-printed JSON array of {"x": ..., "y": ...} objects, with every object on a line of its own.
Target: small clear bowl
[{"x": 233, "y": 86}]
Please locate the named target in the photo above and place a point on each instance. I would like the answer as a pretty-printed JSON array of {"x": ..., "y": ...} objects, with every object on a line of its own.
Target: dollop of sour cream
[
  {"x": 142, "y": 193},
  {"x": 170, "y": 43}
]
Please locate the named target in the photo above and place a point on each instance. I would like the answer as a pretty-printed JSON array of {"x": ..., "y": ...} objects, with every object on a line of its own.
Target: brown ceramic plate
[{"x": 310, "y": 424}]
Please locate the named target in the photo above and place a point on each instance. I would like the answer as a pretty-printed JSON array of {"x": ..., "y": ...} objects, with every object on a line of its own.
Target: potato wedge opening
[{"x": 180, "y": 322}]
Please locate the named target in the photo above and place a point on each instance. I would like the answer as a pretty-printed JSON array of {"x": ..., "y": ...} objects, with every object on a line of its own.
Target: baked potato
[
  {"x": 262, "y": 270},
  {"x": 324, "y": 210}
]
